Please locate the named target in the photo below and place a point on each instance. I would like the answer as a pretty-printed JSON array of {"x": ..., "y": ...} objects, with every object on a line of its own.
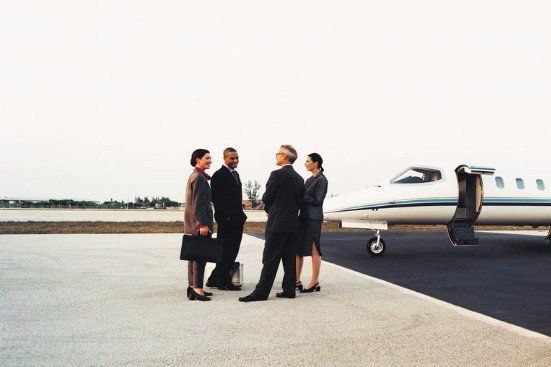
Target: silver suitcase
[{"x": 236, "y": 274}]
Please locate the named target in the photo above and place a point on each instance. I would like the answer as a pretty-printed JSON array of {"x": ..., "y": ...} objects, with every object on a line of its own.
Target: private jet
[{"x": 460, "y": 197}]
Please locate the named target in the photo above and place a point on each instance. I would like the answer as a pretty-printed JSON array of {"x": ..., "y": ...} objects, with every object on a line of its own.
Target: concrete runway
[{"x": 119, "y": 300}]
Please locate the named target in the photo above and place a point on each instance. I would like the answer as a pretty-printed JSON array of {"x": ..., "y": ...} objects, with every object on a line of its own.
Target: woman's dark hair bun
[
  {"x": 197, "y": 154},
  {"x": 315, "y": 157}
]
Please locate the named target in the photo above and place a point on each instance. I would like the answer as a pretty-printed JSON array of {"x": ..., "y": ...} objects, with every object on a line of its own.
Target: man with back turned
[
  {"x": 282, "y": 201},
  {"x": 227, "y": 198}
]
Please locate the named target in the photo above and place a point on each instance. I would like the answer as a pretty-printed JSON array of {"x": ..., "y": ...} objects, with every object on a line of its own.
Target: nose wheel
[{"x": 376, "y": 246}]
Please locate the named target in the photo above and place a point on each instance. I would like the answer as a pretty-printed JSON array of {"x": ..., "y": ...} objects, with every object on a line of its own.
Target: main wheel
[{"x": 374, "y": 248}]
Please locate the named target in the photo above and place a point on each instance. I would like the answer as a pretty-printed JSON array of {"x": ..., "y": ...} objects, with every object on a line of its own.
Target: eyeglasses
[{"x": 279, "y": 154}]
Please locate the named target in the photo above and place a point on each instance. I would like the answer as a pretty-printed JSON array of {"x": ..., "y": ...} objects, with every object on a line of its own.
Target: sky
[{"x": 107, "y": 99}]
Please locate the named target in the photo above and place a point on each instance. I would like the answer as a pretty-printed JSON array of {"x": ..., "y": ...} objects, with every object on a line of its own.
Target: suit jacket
[
  {"x": 283, "y": 199},
  {"x": 227, "y": 197},
  {"x": 314, "y": 195},
  {"x": 198, "y": 210}
]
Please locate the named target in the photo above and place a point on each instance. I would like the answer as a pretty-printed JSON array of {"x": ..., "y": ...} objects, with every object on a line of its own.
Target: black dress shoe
[
  {"x": 250, "y": 298},
  {"x": 211, "y": 284},
  {"x": 229, "y": 287},
  {"x": 285, "y": 295}
]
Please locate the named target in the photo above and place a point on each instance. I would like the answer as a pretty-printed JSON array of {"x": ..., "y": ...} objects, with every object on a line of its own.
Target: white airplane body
[{"x": 458, "y": 196}]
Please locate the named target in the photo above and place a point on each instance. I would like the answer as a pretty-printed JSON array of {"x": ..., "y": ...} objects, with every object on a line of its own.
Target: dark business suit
[
  {"x": 282, "y": 201},
  {"x": 227, "y": 198},
  {"x": 311, "y": 214}
]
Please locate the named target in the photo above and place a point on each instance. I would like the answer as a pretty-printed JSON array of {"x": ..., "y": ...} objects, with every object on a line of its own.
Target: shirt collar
[{"x": 230, "y": 169}]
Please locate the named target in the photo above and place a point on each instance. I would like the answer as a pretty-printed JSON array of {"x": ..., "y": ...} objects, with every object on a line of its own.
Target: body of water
[{"x": 91, "y": 215}]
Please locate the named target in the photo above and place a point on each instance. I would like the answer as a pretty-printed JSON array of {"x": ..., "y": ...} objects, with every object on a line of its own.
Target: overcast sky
[{"x": 107, "y": 99}]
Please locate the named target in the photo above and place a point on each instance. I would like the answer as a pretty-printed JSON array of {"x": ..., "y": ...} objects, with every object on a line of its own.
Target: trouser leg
[
  {"x": 238, "y": 236},
  {"x": 198, "y": 273},
  {"x": 231, "y": 249},
  {"x": 190, "y": 273},
  {"x": 214, "y": 277},
  {"x": 289, "y": 264},
  {"x": 270, "y": 261}
]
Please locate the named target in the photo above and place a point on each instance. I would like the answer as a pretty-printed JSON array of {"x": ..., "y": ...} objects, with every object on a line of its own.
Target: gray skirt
[{"x": 309, "y": 232}]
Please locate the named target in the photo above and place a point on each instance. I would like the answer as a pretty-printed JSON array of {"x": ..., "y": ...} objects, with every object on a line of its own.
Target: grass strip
[{"x": 177, "y": 227}]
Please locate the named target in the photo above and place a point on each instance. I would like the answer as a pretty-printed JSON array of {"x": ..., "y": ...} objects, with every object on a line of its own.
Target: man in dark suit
[
  {"x": 282, "y": 200},
  {"x": 227, "y": 198}
]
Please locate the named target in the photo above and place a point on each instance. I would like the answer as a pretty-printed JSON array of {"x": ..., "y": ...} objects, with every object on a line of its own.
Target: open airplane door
[{"x": 469, "y": 204}]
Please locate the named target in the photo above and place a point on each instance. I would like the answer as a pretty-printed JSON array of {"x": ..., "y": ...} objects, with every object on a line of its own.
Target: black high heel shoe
[
  {"x": 299, "y": 286},
  {"x": 196, "y": 296},
  {"x": 315, "y": 288},
  {"x": 208, "y": 294}
]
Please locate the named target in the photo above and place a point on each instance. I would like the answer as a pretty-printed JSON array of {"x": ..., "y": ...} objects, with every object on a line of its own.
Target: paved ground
[
  {"x": 507, "y": 277},
  {"x": 84, "y": 300}
]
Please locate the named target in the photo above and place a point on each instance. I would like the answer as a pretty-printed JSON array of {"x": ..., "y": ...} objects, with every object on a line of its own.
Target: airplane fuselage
[{"x": 459, "y": 196}]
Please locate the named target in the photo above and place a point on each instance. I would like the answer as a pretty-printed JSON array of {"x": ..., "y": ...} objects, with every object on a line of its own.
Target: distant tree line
[
  {"x": 155, "y": 202},
  {"x": 139, "y": 203},
  {"x": 251, "y": 190}
]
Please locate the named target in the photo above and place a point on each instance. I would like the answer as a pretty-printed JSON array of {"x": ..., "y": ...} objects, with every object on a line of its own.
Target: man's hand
[{"x": 204, "y": 230}]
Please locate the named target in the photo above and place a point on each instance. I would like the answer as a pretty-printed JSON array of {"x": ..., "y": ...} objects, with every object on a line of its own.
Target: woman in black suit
[{"x": 311, "y": 219}]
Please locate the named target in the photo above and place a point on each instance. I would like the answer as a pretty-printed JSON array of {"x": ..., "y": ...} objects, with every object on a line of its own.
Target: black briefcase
[{"x": 201, "y": 248}]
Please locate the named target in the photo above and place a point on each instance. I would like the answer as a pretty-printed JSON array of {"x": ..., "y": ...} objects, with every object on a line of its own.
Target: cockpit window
[{"x": 417, "y": 175}]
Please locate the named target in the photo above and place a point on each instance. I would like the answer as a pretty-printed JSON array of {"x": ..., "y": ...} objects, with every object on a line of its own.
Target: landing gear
[{"x": 376, "y": 246}]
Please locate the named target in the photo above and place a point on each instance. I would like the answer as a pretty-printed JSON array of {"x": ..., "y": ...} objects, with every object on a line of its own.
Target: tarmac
[
  {"x": 119, "y": 300},
  {"x": 507, "y": 277}
]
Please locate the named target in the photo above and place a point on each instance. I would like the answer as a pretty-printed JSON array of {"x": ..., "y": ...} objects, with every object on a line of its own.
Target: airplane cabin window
[
  {"x": 541, "y": 184},
  {"x": 499, "y": 182},
  {"x": 417, "y": 175},
  {"x": 520, "y": 183}
]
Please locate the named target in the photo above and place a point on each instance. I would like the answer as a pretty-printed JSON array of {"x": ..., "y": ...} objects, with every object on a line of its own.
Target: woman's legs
[
  {"x": 299, "y": 263},
  {"x": 316, "y": 265},
  {"x": 190, "y": 273},
  {"x": 197, "y": 275}
]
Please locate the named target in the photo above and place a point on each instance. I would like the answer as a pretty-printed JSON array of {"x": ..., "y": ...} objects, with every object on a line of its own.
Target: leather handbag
[{"x": 201, "y": 248}]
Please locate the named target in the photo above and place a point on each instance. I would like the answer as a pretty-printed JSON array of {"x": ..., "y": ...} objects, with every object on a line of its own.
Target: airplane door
[{"x": 469, "y": 204}]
